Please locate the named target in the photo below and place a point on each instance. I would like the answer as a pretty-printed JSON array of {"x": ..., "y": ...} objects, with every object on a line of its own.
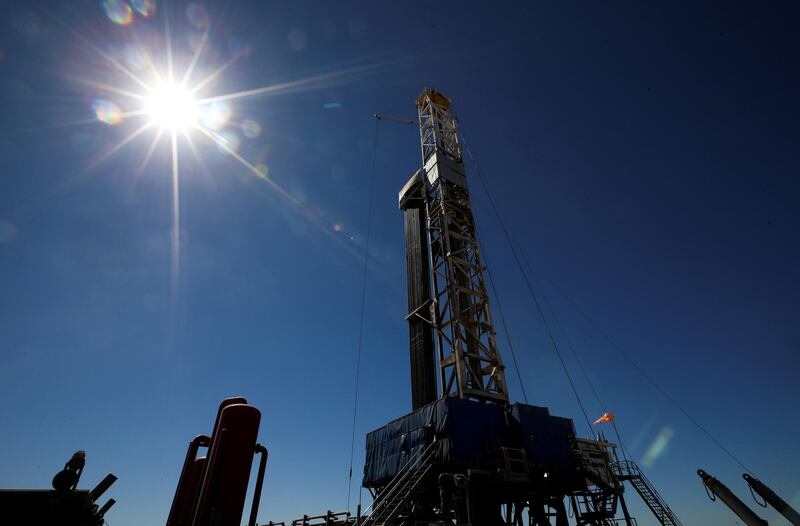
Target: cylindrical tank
[
  {"x": 227, "y": 472},
  {"x": 222, "y": 405},
  {"x": 188, "y": 484},
  {"x": 732, "y": 501},
  {"x": 188, "y": 491}
]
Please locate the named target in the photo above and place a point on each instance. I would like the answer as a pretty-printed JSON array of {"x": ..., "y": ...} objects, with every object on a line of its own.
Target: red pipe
[
  {"x": 180, "y": 514},
  {"x": 227, "y": 472}
]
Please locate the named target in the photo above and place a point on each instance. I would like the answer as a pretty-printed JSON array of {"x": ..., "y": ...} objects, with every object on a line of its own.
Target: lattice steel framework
[{"x": 469, "y": 361}]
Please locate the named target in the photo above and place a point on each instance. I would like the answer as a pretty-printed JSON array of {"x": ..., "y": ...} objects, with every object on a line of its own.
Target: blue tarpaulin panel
[
  {"x": 390, "y": 447},
  {"x": 466, "y": 429},
  {"x": 546, "y": 439}
]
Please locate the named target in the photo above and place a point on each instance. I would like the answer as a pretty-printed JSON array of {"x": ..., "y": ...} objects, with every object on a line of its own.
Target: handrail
[
  {"x": 630, "y": 470},
  {"x": 658, "y": 496},
  {"x": 404, "y": 473},
  {"x": 625, "y": 468},
  {"x": 400, "y": 503}
]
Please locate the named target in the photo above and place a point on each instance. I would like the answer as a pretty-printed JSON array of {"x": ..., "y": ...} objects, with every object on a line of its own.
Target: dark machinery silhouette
[
  {"x": 212, "y": 489},
  {"x": 721, "y": 491},
  {"x": 64, "y": 505},
  {"x": 718, "y": 490},
  {"x": 772, "y": 498}
]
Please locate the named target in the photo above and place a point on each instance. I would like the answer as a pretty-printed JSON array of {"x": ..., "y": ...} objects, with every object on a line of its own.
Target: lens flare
[
  {"x": 172, "y": 106},
  {"x": 136, "y": 57},
  {"x": 198, "y": 16},
  {"x": 118, "y": 12},
  {"x": 263, "y": 170},
  {"x": 145, "y": 8},
  {"x": 237, "y": 47},
  {"x": 216, "y": 115},
  {"x": 658, "y": 447},
  {"x": 107, "y": 112},
  {"x": 228, "y": 142},
  {"x": 251, "y": 128}
]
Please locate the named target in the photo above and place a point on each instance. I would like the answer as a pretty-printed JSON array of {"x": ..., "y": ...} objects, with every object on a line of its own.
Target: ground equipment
[
  {"x": 212, "y": 489},
  {"x": 771, "y": 498},
  {"x": 64, "y": 505},
  {"x": 718, "y": 489}
]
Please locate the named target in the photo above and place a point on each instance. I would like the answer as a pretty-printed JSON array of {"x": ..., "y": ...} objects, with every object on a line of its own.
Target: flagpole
[{"x": 619, "y": 439}]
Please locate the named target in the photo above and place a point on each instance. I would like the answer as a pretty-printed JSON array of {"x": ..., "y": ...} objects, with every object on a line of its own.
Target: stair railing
[{"x": 400, "y": 481}]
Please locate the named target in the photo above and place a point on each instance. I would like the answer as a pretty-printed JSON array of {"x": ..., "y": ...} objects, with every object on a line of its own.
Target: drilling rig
[{"x": 466, "y": 454}]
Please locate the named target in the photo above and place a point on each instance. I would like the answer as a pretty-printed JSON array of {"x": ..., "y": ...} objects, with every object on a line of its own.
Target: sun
[{"x": 172, "y": 106}]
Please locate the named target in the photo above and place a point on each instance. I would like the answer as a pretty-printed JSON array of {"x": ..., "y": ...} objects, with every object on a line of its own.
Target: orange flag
[{"x": 607, "y": 417}]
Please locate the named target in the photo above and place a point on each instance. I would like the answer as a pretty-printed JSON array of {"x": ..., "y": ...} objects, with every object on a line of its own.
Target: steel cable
[
  {"x": 362, "y": 314},
  {"x": 593, "y": 325},
  {"x": 530, "y": 288}
]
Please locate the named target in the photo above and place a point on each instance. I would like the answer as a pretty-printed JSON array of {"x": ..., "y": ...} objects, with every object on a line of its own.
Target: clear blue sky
[{"x": 645, "y": 156}]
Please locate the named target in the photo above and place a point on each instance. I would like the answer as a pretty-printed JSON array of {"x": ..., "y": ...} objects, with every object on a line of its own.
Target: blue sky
[{"x": 644, "y": 156}]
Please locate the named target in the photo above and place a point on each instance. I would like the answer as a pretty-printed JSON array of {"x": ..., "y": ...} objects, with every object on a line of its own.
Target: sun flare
[
  {"x": 180, "y": 105},
  {"x": 172, "y": 106}
]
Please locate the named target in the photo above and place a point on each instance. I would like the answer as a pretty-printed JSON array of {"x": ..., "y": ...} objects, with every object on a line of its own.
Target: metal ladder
[
  {"x": 392, "y": 498},
  {"x": 628, "y": 470}
]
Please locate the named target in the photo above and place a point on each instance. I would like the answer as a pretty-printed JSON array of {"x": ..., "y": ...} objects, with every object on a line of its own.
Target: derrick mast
[
  {"x": 456, "y": 299},
  {"x": 466, "y": 453}
]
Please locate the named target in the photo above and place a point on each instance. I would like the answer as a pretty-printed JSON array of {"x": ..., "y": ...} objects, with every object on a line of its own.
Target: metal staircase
[
  {"x": 628, "y": 470},
  {"x": 392, "y": 499},
  {"x": 598, "y": 505}
]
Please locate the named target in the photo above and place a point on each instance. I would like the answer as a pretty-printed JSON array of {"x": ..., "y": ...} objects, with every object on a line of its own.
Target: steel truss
[{"x": 469, "y": 361}]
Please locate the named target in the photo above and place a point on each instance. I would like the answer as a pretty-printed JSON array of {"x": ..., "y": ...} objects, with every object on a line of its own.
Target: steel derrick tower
[{"x": 447, "y": 291}]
